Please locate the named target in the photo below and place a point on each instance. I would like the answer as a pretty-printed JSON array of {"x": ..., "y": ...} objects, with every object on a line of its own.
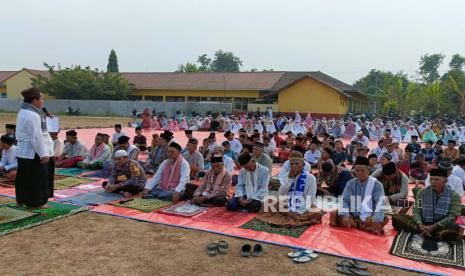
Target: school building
[{"x": 285, "y": 91}]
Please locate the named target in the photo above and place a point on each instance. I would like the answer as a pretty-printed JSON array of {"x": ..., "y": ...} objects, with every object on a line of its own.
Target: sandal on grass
[
  {"x": 352, "y": 264},
  {"x": 344, "y": 270},
  {"x": 212, "y": 249},
  {"x": 246, "y": 250},
  {"x": 223, "y": 247}
]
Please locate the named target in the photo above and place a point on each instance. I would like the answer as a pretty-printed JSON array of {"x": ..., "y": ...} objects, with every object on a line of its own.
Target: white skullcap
[{"x": 120, "y": 153}]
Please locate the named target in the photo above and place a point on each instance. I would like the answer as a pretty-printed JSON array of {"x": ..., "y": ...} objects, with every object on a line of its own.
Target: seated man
[
  {"x": 58, "y": 145},
  {"x": 395, "y": 184},
  {"x": 170, "y": 180},
  {"x": 194, "y": 158},
  {"x": 140, "y": 141},
  {"x": 335, "y": 178},
  {"x": 260, "y": 157},
  {"x": 451, "y": 152},
  {"x": 127, "y": 176},
  {"x": 98, "y": 154},
  {"x": 252, "y": 186},
  {"x": 227, "y": 161},
  {"x": 435, "y": 211},
  {"x": 296, "y": 153},
  {"x": 362, "y": 202},
  {"x": 215, "y": 186},
  {"x": 158, "y": 154},
  {"x": 228, "y": 151},
  {"x": 419, "y": 169},
  {"x": 123, "y": 144},
  {"x": 284, "y": 152},
  {"x": 8, "y": 162},
  {"x": 313, "y": 155},
  {"x": 118, "y": 133},
  {"x": 300, "y": 188},
  {"x": 454, "y": 182},
  {"x": 374, "y": 165},
  {"x": 74, "y": 151}
]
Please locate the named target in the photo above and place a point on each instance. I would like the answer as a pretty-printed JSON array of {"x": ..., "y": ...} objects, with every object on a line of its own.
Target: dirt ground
[{"x": 96, "y": 244}]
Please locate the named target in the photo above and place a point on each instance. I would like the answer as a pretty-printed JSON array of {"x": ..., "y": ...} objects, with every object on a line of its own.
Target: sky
[{"x": 343, "y": 38}]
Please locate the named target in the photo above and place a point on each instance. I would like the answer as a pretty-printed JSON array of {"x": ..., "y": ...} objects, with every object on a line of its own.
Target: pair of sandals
[
  {"x": 221, "y": 247},
  {"x": 352, "y": 267},
  {"x": 301, "y": 256},
  {"x": 247, "y": 251}
]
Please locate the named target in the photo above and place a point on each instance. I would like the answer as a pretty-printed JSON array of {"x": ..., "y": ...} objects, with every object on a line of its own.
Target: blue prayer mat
[{"x": 92, "y": 198}]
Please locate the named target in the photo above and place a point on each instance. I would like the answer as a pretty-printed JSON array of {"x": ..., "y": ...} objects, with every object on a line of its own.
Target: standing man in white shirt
[{"x": 36, "y": 168}]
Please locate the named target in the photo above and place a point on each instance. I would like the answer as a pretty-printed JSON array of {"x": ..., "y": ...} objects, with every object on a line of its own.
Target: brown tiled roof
[
  {"x": 204, "y": 81},
  {"x": 5, "y": 75},
  {"x": 269, "y": 82}
]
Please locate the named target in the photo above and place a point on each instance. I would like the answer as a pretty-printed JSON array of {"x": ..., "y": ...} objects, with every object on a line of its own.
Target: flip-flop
[
  {"x": 298, "y": 253},
  {"x": 257, "y": 250},
  {"x": 302, "y": 259},
  {"x": 360, "y": 272},
  {"x": 245, "y": 250},
  {"x": 353, "y": 264},
  {"x": 223, "y": 247},
  {"x": 212, "y": 249},
  {"x": 344, "y": 270}
]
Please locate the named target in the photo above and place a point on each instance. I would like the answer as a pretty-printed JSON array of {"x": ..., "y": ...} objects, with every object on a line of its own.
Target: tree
[
  {"x": 112, "y": 66},
  {"x": 187, "y": 68},
  {"x": 225, "y": 62},
  {"x": 457, "y": 62},
  {"x": 429, "y": 65},
  {"x": 84, "y": 84}
]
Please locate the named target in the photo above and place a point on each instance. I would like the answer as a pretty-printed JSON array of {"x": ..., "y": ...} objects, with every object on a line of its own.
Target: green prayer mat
[
  {"x": 144, "y": 205},
  {"x": 41, "y": 216},
  {"x": 8, "y": 214},
  {"x": 259, "y": 225},
  {"x": 70, "y": 182}
]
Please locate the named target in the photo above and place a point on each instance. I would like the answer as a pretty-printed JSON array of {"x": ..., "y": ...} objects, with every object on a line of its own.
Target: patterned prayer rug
[
  {"x": 222, "y": 216},
  {"x": 144, "y": 205},
  {"x": 415, "y": 247},
  {"x": 70, "y": 182},
  {"x": 258, "y": 225},
  {"x": 67, "y": 193},
  {"x": 57, "y": 211},
  {"x": 8, "y": 214},
  {"x": 90, "y": 187},
  {"x": 6, "y": 182},
  {"x": 184, "y": 210},
  {"x": 92, "y": 198},
  {"x": 72, "y": 171}
]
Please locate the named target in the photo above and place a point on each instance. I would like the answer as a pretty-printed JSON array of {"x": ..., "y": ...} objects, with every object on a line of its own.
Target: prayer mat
[
  {"x": 67, "y": 193},
  {"x": 144, "y": 205},
  {"x": 92, "y": 198},
  {"x": 59, "y": 177},
  {"x": 70, "y": 182},
  {"x": 90, "y": 187},
  {"x": 8, "y": 214},
  {"x": 6, "y": 200},
  {"x": 415, "y": 247},
  {"x": 184, "y": 210},
  {"x": 6, "y": 182},
  {"x": 222, "y": 216},
  {"x": 57, "y": 211},
  {"x": 72, "y": 171},
  {"x": 258, "y": 225}
]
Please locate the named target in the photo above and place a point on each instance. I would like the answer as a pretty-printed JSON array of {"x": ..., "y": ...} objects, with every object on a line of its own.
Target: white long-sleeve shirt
[
  {"x": 31, "y": 139},
  {"x": 460, "y": 173},
  {"x": 228, "y": 164},
  {"x": 105, "y": 155},
  {"x": 236, "y": 145},
  {"x": 8, "y": 161},
  {"x": 185, "y": 175},
  {"x": 58, "y": 147},
  {"x": 261, "y": 188},
  {"x": 116, "y": 135},
  {"x": 312, "y": 157},
  {"x": 310, "y": 190}
]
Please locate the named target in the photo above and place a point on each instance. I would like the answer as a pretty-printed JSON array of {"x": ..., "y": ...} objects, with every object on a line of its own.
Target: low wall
[{"x": 119, "y": 108}]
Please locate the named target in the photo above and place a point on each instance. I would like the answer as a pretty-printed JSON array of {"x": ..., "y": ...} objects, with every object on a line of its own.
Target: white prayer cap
[{"x": 120, "y": 153}]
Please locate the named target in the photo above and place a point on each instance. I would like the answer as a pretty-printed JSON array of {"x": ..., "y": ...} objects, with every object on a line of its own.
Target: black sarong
[{"x": 34, "y": 181}]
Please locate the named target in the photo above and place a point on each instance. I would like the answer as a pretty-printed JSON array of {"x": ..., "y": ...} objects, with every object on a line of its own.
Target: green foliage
[
  {"x": 112, "y": 66},
  {"x": 457, "y": 63},
  {"x": 222, "y": 62},
  {"x": 83, "y": 84},
  {"x": 429, "y": 65}
]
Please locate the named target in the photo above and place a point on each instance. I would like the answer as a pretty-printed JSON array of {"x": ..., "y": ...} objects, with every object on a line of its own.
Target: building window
[
  {"x": 241, "y": 103},
  {"x": 175, "y": 99},
  {"x": 3, "y": 95},
  {"x": 154, "y": 98},
  {"x": 135, "y": 98}
]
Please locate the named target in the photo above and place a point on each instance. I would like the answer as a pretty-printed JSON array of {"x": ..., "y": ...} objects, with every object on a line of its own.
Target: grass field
[{"x": 95, "y": 244}]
